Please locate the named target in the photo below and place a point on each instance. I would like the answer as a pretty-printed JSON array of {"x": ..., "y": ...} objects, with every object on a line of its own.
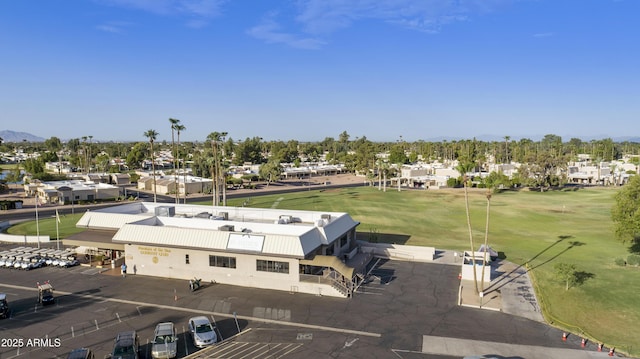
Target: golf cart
[
  {"x": 45, "y": 293},
  {"x": 194, "y": 284},
  {"x": 4, "y": 306}
]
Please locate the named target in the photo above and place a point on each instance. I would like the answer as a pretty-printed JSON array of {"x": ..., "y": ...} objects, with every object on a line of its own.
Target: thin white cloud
[
  {"x": 319, "y": 18},
  {"x": 204, "y": 8},
  {"x": 114, "y": 27},
  {"x": 325, "y": 16},
  {"x": 270, "y": 31},
  {"x": 109, "y": 28},
  {"x": 162, "y": 7},
  {"x": 199, "y": 12}
]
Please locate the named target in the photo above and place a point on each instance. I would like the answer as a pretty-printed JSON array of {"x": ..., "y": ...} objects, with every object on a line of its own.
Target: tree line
[{"x": 219, "y": 150}]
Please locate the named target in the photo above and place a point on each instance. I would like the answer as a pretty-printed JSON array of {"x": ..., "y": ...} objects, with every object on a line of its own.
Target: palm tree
[
  {"x": 84, "y": 151},
  {"x": 89, "y": 154},
  {"x": 179, "y": 128},
  {"x": 216, "y": 139},
  {"x": 152, "y": 135},
  {"x": 464, "y": 168},
  {"x": 486, "y": 240},
  {"x": 174, "y": 122},
  {"x": 506, "y": 148}
]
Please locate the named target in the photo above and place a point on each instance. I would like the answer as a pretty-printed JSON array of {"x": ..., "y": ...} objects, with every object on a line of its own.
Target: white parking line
[{"x": 225, "y": 315}]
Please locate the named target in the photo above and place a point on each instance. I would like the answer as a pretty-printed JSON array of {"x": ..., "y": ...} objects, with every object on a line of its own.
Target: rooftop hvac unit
[
  {"x": 227, "y": 228},
  {"x": 165, "y": 211},
  {"x": 206, "y": 215},
  {"x": 326, "y": 217},
  {"x": 284, "y": 219},
  {"x": 224, "y": 215}
]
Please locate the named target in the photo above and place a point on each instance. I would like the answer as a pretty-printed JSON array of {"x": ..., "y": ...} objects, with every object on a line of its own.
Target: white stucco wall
[{"x": 171, "y": 263}]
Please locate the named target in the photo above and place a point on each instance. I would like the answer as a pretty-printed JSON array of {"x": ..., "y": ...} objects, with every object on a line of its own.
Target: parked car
[
  {"x": 202, "y": 331},
  {"x": 165, "y": 341},
  {"x": 126, "y": 346},
  {"x": 81, "y": 353}
]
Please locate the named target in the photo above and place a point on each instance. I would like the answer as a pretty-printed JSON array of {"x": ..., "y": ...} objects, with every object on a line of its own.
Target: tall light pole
[{"x": 37, "y": 222}]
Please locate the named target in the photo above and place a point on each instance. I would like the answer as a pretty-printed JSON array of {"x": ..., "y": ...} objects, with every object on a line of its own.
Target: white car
[
  {"x": 202, "y": 331},
  {"x": 165, "y": 341}
]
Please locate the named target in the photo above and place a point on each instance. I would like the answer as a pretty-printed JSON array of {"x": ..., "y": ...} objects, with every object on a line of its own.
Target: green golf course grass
[{"x": 533, "y": 229}]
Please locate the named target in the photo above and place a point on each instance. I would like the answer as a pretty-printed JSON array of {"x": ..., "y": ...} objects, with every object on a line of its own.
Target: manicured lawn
[
  {"x": 529, "y": 228},
  {"x": 9, "y": 166},
  {"x": 47, "y": 226}
]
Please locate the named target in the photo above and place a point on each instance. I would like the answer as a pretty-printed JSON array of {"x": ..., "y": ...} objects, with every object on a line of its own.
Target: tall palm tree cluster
[
  {"x": 217, "y": 170},
  {"x": 177, "y": 128},
  {"x": 152, "y": 135}
]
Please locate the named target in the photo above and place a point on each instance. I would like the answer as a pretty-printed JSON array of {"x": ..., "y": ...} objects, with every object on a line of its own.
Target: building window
[
  {"x": 272, "y": 266},
  {"x": 343, "y": 241},
  {"x": 220, "y": 261},
  {"x": 186, "y": 259}
]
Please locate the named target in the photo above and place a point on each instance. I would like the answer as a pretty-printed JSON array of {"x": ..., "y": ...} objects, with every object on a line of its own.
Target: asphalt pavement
[{"x": 409, "y": 311}]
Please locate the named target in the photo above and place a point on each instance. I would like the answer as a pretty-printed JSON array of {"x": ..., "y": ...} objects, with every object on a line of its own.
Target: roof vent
[
  {"x": 227, "y": 228},
  {"x": 205, "y": 215},
  {"x": 165, "y": 211},
  {"x": 285, "y": 219}
]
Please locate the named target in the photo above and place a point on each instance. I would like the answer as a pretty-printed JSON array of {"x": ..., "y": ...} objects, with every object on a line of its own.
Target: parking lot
[{"x": 396, "y": 314}]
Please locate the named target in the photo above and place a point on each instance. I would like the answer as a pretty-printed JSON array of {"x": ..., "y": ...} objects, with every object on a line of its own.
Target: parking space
[{"x": 82, "y": 321}]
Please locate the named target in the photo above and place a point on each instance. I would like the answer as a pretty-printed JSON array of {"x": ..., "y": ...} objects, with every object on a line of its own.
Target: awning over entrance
[
  {"x": 94, "y": 238},
  {"x": 329, "y": 261}
]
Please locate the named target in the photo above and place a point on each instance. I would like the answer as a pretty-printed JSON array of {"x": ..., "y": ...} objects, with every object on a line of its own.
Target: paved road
[{"x": 47, "y": 211}]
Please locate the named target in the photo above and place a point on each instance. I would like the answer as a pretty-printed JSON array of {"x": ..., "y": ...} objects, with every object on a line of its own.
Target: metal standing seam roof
[
  {"x": 172, "y": 236},
  {"x": 103, "y": 220},
  {"x": 337, "y": 227},
  {"x": 279, "y": 245},
  {"x": 291, "y": 246},
  {"x": 136, "y": 223}
]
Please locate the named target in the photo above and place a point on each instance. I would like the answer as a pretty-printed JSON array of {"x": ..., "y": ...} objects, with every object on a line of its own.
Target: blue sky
[{"x": 310, "y": 69}]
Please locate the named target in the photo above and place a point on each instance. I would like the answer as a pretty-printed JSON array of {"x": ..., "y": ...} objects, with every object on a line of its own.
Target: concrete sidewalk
[{"x": 510, "y": 290}]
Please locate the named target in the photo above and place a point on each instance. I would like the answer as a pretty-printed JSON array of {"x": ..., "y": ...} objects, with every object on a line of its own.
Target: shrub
[
  {"x": 453, "y": 182},
  {"x": 620, "y": 261},
  {"x": 633, "y": 260},
  {"x": 250, "y": 177}
]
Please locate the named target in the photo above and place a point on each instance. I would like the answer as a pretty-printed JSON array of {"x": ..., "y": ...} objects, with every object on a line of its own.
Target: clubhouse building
[{"x": 295, "y": 251}]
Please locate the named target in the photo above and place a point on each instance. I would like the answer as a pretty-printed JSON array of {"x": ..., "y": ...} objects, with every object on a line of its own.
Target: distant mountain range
[{"x": 13, "y": 136}]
